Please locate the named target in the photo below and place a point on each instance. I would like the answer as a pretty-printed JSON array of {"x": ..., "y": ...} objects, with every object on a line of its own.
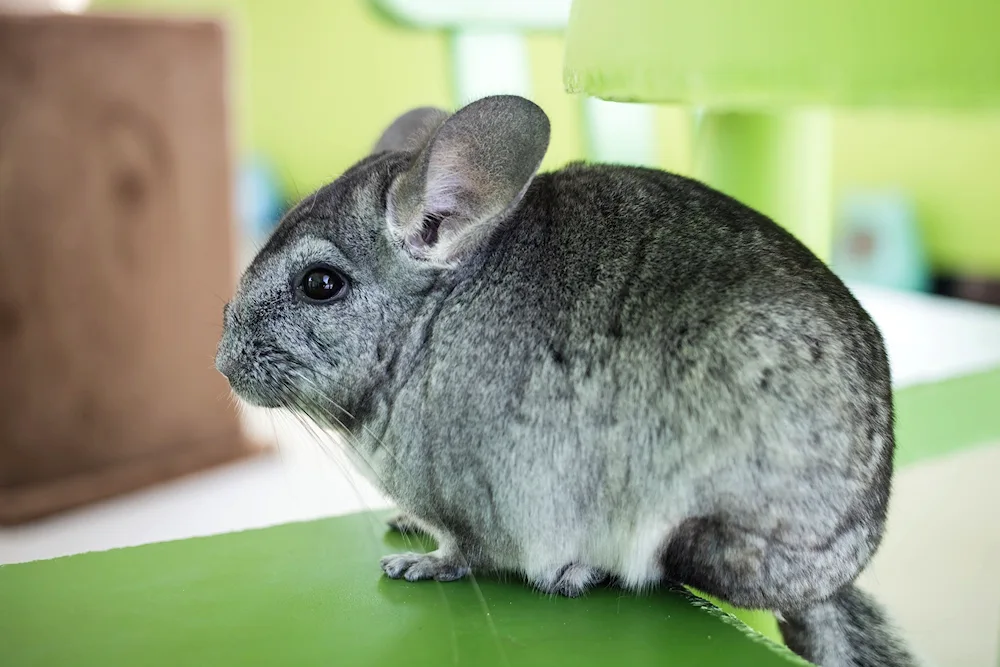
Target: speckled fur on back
[{"x": 598, "y": 372}]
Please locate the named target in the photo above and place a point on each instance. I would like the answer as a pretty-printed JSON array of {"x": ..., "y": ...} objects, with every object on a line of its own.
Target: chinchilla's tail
[{"x": 847, "y": 630}]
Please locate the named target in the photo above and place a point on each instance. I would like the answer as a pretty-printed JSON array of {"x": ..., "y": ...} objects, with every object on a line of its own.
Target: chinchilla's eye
[{"x": 322, "y": 284}]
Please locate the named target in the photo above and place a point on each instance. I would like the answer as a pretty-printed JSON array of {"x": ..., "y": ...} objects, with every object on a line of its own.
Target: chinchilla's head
[{"x": 327, "y": 301}]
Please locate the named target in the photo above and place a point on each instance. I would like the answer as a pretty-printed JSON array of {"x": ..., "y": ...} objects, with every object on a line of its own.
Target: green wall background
[{"x": 317, "y": 81}]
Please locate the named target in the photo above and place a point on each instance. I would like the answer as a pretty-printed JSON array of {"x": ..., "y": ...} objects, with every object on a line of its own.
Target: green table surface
[
  {"x": 313, "y": 594},
  {"x": 939, "y": 418}
]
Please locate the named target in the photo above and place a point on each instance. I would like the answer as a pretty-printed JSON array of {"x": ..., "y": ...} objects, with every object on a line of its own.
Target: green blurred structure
[{"x": 764, "y": 74}]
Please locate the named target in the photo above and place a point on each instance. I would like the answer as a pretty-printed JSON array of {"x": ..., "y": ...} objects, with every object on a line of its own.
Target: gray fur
[
  {"x": 411, "y": 131},
  {"x": 623, "y": 374},
  {"x": 847, "y": 629}
]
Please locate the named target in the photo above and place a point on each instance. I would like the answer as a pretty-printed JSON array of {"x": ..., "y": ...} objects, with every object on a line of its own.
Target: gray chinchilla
[{"x": 603, "y": 372}]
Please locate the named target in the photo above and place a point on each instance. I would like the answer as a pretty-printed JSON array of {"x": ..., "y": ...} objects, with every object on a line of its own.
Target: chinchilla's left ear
[
  {"x": 411, "y": 131},
  {"x": 475, "y": 168}
]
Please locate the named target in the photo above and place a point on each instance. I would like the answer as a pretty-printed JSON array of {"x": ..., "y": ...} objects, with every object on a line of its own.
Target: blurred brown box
[{"x": 115, "y": 257}]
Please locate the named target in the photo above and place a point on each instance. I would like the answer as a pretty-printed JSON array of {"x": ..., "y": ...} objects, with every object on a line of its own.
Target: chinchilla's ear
[
  {"x": 410, "y": 131},
  {"x": 475, "y": 169}
]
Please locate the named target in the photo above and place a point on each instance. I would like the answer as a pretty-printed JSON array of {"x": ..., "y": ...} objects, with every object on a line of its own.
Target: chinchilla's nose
[
  {"x": 226, "y": 359},
  {"x": 224, "y": 363}
]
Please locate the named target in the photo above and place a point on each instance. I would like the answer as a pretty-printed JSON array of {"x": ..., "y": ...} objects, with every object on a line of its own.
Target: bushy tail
[{"x": 847, "y": 630}]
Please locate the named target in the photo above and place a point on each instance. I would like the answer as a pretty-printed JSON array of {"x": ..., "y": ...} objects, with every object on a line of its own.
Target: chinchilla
[{"x": 603, "y": 372}]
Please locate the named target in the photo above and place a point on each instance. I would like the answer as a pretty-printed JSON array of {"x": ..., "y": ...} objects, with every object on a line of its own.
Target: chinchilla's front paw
[{"x": 416, "y": 567}]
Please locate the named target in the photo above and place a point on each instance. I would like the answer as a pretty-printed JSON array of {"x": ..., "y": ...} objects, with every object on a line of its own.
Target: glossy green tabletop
[{"x": 313, "y": 594}]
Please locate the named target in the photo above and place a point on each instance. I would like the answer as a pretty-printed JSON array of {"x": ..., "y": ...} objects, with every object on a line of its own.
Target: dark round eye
[{"x": 323, "y": 283}]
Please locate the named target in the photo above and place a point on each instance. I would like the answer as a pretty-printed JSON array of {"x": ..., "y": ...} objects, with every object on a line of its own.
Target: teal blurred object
[
  {"x": 261, "y": 202},
  {"x": 877, "y": 242}
]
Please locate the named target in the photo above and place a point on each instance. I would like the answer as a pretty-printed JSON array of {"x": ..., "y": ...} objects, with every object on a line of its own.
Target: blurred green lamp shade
[{"x": 777, "y": 53}]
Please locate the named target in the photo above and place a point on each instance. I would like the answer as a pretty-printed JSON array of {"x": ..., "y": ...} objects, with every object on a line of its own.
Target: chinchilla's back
[
  {"x": 650, "y": 241},
  {"x": 677, "y": 305}
]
